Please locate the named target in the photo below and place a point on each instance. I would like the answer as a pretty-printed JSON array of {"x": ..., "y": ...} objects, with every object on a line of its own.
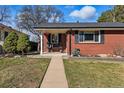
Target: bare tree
[
  {"x": 52, "y": 14},
  {"x": 5, "y": 14},
  {"x": 30, "y": 16}
]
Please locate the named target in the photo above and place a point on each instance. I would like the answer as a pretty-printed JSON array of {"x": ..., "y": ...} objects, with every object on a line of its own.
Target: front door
[{"x": 55, "y": 40}]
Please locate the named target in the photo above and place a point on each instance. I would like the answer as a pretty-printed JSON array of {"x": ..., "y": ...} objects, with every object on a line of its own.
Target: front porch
[{"x": 54, "y": 41}]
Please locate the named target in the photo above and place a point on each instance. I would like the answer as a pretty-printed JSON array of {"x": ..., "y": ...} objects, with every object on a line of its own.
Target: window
[
  {"x": 6, "y": 34},
  {"x": 81, "y": 36},
  {"x": 55, "y": 39},
  {"x": 89, "y": 36}
]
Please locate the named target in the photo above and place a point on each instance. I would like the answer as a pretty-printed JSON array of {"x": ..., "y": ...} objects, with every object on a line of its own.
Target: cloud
[{"x": 85, "y": 12}]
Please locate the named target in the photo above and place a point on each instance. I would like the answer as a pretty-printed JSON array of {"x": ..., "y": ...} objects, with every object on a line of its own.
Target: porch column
[
  {"x": 41, "y": 43},
  {"x": 68, "y": 42}
]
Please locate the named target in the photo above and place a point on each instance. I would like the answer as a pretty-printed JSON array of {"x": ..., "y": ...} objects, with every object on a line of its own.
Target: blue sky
[
  {"x": 72, "y": 13},
  {"x": 81, "y": 13},
  {"x": 67, "y": 10}
]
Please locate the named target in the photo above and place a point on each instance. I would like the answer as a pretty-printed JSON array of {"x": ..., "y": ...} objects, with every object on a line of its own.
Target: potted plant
[{"x": 76, "y": 52}]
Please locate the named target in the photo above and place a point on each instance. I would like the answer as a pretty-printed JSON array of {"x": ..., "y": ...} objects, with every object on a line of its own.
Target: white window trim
[
  {"x": 99, "y": 37},
  {"x": 92, "y": 41}
]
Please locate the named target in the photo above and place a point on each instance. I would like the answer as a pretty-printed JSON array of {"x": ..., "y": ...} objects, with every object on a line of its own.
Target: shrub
[
  {"x": 76, "y": 52},
  {"x": 118, "y": 50},
  {"x": 23, "y": 43},
  {"x": 10, "y": 43}
]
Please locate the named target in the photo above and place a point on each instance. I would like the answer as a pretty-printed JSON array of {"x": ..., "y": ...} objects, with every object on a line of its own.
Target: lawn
[
  {"x": 93, "y": 73},
  {"x": 22, "y": 72}
]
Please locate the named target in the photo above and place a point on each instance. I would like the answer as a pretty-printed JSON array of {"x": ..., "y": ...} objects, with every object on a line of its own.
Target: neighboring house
[
  {"x": 4, "y": 31},
  {"x": 90, "y": 38}
]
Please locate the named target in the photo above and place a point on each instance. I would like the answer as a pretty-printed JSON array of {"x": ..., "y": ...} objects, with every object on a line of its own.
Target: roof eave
[{"x": 78, "y": 28}]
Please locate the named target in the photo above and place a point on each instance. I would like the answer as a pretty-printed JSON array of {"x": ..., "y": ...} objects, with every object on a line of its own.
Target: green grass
[
  {"x": 94, "y": 73},
  {"x": 22, "y": 72}
]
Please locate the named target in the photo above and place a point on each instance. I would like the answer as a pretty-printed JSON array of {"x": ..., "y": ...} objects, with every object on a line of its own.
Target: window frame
[{"x": 89, "y": 41}]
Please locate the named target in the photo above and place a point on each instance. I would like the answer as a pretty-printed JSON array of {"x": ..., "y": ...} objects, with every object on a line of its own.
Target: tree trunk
[
  {"x": 22, "y": 52},
  {"x": 113, "y": 13},
  {"x": 114, "y": 19}
]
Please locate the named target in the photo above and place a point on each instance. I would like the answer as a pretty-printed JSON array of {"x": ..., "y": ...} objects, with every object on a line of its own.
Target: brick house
[
  {"x": 4, "y": 31},
  {"x": 90, "y": 38}
]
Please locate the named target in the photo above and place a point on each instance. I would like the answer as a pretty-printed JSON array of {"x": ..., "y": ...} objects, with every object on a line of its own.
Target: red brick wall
[
  {"x": 63, "y": 42},
  {"x": 45, "y": 40},
  {"x": 67, "y": 42},
  {"x": 111, "y": 40}
]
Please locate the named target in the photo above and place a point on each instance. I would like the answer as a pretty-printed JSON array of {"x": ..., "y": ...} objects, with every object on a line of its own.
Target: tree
[
  {"x": 115, "y": 14},
  {"x": 23, "y": 43},
  {"x": 52, "y": 14},
  {"x": 10, "y": 43},
  {"x": 105, "y": 17},
  {"x": 30, "y": 16},
  {"x": 119, "y": 13},
  {"x": 5, "y": 14}
]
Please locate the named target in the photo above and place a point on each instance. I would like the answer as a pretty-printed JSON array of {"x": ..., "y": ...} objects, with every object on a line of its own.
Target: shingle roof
[
  {"x": 81, "y": 25},
  {"x": 8, "y": 29},
  {"x": 2, "y": 26}
]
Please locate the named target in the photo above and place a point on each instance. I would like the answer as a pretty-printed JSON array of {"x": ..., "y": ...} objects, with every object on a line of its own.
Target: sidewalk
[{"x": 55, "y": 75}]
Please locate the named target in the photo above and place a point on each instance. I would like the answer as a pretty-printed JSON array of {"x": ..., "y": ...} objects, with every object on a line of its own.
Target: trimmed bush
[
  {"x": 23, "y": 43},
  {"x": 10, "y": 43}
]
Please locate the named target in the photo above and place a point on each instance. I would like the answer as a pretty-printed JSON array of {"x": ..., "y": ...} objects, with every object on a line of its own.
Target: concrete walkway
[{"x": 55, "y": 75}]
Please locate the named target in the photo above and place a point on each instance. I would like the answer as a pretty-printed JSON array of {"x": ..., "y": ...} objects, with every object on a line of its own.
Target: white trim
[
  {"x": 41, "y": 43},
  {"x": 94, "y": 29},
  {"x": 73, "y": 29},
  {"x": 52, "y": 31},
  {"x": 42, "y": 29},
  {"x": 99, "y": 36},
  {"x": 90, "y": 41}
]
